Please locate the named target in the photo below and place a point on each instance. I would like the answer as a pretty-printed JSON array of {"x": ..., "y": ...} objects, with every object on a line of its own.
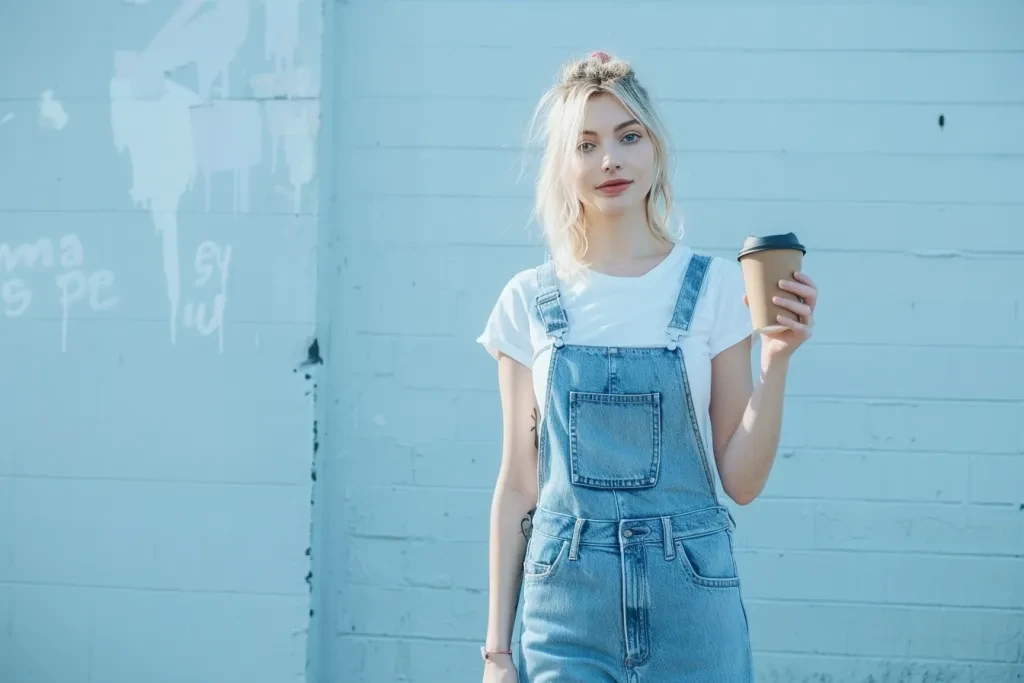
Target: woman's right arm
[{"x": 515, "y": 495}]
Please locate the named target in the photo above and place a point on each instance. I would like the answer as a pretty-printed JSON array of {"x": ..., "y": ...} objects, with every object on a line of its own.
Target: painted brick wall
[
  {"x": 158, "y": 223},
  {"x": 889, "y": 545},
  {"x": 159, "y": 419}
]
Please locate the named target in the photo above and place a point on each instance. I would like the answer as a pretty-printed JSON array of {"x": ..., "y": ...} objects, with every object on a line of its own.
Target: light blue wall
[
  {"x": 889, "y": 543},
  {"x": 155, "y": 477},
  {"x": 157, "y": 425}
]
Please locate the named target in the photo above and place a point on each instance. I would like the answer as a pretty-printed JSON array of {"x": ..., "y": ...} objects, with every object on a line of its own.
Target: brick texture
[
  {"x": 158, "y": 253},
  {"x": 183, "y": 498},
  {"x": 889, "y": 544}
]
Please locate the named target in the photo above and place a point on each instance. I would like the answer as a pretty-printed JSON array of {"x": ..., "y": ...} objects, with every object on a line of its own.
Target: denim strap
[{"x": 686, "y": 302}]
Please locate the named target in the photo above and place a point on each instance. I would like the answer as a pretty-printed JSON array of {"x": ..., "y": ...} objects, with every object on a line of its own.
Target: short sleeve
[
  {"x": 732, "y": 323},
  {"x": 508, "y": 326}
]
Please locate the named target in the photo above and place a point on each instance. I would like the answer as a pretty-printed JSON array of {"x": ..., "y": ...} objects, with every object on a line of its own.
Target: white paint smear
[
  {"x": 282, "y": 32},
  {"x": 157, "y": 134},
  {"x": 8, "y": 117},
  {"x": 51, "y": 112},
  {"x": 293, "y": 124},
  {"x": 228, "y": 136},
  {"x": 205, "y": 34},
  {"x": 173, "y": 133}
]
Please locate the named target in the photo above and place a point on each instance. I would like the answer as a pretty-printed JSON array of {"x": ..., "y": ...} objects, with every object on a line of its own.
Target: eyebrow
[{"x": 624, "y": 124}]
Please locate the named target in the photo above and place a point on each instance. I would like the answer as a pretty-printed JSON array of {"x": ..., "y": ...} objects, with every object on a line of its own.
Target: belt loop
[
  {"x": 574, "y": 547},
  {"x": 669, "y": 542}
]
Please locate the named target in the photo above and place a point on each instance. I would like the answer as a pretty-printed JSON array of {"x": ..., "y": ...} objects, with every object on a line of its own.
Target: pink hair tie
[{"x": 602, "y": 56}]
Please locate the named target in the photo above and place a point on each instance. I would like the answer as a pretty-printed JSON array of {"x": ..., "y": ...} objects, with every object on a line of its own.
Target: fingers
[
  {"x": 804, "y": 278},
  {"x": 807, "y": 292},
  {"x": 801, "y": 309},
  {"x": 801, "y": 328}
]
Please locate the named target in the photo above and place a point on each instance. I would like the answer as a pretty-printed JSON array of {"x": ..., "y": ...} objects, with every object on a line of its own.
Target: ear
[{"x": 746, "y": 301}]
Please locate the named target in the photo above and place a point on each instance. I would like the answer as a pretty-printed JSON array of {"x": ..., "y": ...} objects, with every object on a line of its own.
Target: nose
[{"x": 611, "y": 164}]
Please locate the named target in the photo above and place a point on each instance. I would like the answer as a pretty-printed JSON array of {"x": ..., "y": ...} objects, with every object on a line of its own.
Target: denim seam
[
  {"x": 695, "y": 429},
  {"x": 550, "y": 568},
  {"x": 706, "y": 581},
  {"x": 651, "y": 401},
  {"x": 542, "y": 440}
]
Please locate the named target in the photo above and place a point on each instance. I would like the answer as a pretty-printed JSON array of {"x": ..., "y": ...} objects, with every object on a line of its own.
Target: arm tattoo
[{"x": 526, "y": 524}]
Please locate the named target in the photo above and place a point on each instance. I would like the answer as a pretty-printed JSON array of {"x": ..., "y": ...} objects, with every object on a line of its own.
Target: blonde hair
[{"x": 557, "y": 209}]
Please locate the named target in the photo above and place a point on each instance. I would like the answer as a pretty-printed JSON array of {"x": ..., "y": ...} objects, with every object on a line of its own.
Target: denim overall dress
[{"x": 629, "y": 572}]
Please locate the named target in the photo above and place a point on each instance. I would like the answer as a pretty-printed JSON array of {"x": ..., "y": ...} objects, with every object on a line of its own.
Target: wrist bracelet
[{"x": 486, "y": 654}]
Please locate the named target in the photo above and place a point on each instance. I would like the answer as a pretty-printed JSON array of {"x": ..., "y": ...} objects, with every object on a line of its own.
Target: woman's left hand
[{"x": 783, "y": 343}]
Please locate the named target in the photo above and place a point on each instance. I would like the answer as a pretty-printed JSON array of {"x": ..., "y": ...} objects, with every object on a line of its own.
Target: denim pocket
[
  {"x": 543, "y": 555},
  {"x": 615, "y": 439},
  {"x": 709, "y": 559}
]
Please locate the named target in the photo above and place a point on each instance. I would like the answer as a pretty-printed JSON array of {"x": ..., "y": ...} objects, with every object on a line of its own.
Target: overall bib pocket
[
  {"x": 709, "y": 559},
  {"x": 615, "y": 439}
]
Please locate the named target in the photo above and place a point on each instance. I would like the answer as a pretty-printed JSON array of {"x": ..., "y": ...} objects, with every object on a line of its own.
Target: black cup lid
[{"x": 766, "y": 242}]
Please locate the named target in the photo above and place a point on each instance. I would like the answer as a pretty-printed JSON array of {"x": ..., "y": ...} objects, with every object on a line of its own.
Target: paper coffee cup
[{"x": 766, "y": 260}]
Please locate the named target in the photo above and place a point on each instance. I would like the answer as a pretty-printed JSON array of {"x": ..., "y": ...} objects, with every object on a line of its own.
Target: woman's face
[{"x": 613, "y": 164}]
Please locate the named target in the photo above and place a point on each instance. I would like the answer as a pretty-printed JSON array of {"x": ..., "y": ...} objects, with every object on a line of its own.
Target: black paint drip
[{"x": 313, "y": 354}]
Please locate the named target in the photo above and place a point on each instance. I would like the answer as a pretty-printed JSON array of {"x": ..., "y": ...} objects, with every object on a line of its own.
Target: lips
[
  {"x": 612, "y": 188},
  {"x": 613, "y": 183}
]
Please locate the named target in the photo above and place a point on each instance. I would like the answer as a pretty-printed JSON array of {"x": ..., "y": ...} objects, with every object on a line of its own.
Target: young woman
[{"x": 624, "y": 376}]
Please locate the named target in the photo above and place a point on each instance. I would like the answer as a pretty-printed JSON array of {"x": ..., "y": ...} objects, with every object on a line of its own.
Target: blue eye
[
  {"x": 636, "y": 137},
  {"x": 583, "y": 144}
]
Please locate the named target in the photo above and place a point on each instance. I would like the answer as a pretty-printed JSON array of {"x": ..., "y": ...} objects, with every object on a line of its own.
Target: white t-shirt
[{"x": 610, "y": 310}]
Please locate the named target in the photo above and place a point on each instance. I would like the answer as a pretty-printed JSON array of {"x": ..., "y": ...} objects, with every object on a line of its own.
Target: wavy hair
[{"x": 557, "y": 208}]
